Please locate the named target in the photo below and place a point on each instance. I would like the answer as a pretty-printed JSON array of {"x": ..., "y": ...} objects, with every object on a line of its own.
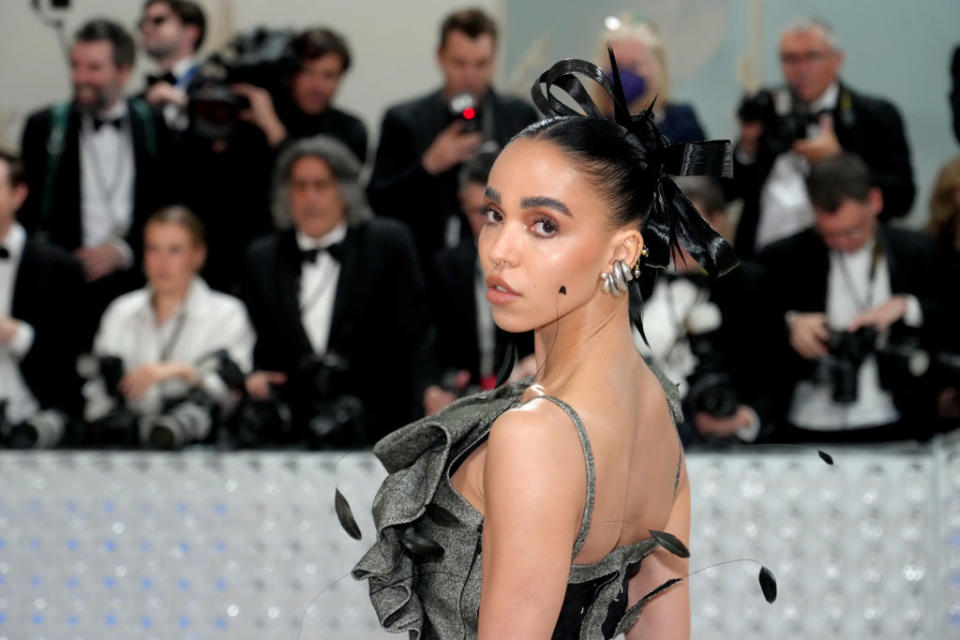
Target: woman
[
  {"x": 642, "y": 61},
  {"x": 167, "y": 334},
  {"x": 526, "y": 512}
]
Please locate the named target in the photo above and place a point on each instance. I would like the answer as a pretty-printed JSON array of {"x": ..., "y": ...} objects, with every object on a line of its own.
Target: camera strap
[
  {"x": 866, "y": 302},
  {"x": 167, "y": 349}
]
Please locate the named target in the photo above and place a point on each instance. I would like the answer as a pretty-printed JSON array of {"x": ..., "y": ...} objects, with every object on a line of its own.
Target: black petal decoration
[
  {"x": 666, "y": 585},
  {"x": 345, "y": 516},
  {"x": 671, "y": 543},
  {"x": 506, "y": 367},
  {"x": 563, "y": 290},
  {"x": 419, "y": 545},
  {"x": 826, "y": 457},
  {"x": 768, "y": 584},
  {"x": 441, "y": 516}
]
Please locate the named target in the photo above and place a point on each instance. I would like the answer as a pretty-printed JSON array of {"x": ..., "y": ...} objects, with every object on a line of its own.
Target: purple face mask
[{"x": 634, "y": 85}]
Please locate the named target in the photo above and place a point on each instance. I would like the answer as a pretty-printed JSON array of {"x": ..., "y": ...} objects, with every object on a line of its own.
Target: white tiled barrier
[{"x": 245, "y": 545}]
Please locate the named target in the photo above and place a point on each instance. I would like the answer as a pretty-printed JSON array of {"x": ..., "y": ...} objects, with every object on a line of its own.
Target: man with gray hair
[
  {"x": 785, "y": 130},
  {"x": 337, "y": 300}
]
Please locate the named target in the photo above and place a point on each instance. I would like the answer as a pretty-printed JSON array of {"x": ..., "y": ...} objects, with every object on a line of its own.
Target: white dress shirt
[
  {"x": 20, "y": 401},
  {"x": 318, "y": 286},
  {"x": 850, "y": 292},
  {"x": 107, "y": 174},
  {"x": 206, "y": 322},
  {"x": 784, "y": 204},
  {"x": 183, "y": 71}
]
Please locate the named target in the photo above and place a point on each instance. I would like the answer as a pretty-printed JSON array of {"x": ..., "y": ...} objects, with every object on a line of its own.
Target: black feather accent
[
  {"x": 826, "y": 457},
  {"x": 506, "y": 367},
  {"x": 441, "y": 516},
  {"x": 671, "y": 543},
  {"x": 666, "y": 585},
  {"x": 768, "y": 584},
  {"x": 420, "y": 545},
  {"x": 345, "y": 516},
  {"x": 563, "y": 290}
]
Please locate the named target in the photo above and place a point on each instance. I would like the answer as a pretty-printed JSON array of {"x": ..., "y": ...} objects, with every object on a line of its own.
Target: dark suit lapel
[
  {"x": 288, "y": 285},
  {"x": 140, "y": 161},
  {"x": 349, "y": 284},
  {"x": 23, "y": 293},
  {"x": 899, "y": 281},
  {"x": 63, "y": 224}
]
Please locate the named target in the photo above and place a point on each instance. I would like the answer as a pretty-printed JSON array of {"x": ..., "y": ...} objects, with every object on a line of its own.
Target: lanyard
[
  {"x": 167, "y": 350},
  {"x": 107, "y": 191},
  {"x": 866, "y": 302}
]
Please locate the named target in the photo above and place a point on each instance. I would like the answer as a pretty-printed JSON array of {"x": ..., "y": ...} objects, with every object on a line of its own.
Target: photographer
[
  {"x": 815, "y": 115},
  {"x": 852, "y": 291},
  {"x": 303, "y": 107},
  {"x": 424, "y": 141},
  {"x": 708, "y": 335},
  {"x": 166, "y": 337},
  {"x": 39, "y": 284},
  {"x": 171, "y": 31},
  {"x": 337, "y": 301}
]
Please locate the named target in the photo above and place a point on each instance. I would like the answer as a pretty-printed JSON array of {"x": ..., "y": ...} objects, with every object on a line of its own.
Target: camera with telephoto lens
[
  {"x": 846, "y": 353},
  {"x": 710, "y": 387},
  {"x": 259, "y": 57},
  {"x": 334, "y": 417},
  {"x": 464, "y": 108},
  {"x": 109, "y": 421},
  {"x": 44, "y": 430},
  {"x": 785, "y": 119}
]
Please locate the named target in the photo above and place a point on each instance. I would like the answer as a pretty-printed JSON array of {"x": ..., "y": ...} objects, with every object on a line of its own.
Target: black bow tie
[
  {"x": 111, "y": 122},
  {"x": 335, "y": 250},
  {"x": 4, "y": 253},
  {"x": 154, "y": 78}
]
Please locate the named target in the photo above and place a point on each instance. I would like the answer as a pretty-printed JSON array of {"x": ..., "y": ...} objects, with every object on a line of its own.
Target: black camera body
[
  {"x": 847, "y": 351},
  {"x": 785, "y": 119},
  {"x": 710, "y": 388},
  {"x": 118, "y": 425},
  {"x": 259, "y": 57},
  {"x": 333, "y": 415}
]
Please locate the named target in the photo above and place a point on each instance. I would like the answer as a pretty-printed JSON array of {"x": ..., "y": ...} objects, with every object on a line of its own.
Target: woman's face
[
  {"x": 546, "y": 227},
  {"x": 171, "y": 257},
  {"x": 635, "y": 55}
]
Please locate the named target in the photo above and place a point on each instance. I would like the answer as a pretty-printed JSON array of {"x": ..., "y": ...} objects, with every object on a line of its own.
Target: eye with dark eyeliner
[
  {"x": 545, "y": 226},
  {"x": 491, "y": 215}
]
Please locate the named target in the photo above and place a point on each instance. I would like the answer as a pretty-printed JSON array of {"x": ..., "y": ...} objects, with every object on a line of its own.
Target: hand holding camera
[
  {"x": 882, "y": 316},
  {"x": 450, "y": 148},
  {"x": 809, "y": 334},
  {"x": 261, "y": 112},
  {"x": 822, "y": 145}
]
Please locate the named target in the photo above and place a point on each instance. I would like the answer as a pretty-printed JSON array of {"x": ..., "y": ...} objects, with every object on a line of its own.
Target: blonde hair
[
  {"x": 646, "y": 33},
  {"x": 945, "y": 202}
]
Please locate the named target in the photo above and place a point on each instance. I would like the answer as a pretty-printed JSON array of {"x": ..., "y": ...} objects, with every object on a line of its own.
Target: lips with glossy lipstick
[{"x": 498, "y": 292}]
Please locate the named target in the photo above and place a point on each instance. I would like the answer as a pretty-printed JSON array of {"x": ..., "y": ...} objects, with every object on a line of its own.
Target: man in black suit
[
  {"x": 303, "y": 105},
  {"x": 39, "y": 286},
  {"x": 340, "y": 288},
  {"x": 422, "y": 143},
  {"x": 469, "y": 345},
  {"x": 816, "y": 115},
  {"x": 96, "y": 167},
  {"x": 847, "y": 290}
]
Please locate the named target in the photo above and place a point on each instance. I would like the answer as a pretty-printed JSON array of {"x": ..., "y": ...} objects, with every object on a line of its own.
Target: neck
[
  {"x": 6, "y": 224},
  {"x": 165, "y": 304},
  {"x": 167, "y": 63},
  {"x": 589, "y": 342}
]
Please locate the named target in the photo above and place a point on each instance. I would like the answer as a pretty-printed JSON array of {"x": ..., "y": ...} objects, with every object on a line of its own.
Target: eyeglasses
[
  {"x": 152, "y": 21},
  {"x": 808, "y": 57}
]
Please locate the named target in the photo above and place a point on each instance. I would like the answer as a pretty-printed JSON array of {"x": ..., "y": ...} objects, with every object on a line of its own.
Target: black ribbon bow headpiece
[{"x": 673, "y": 221}]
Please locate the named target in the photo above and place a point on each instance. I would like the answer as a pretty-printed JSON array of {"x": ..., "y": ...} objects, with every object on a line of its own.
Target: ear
[
  {"x": 627, "y": 246},
  {"x": 875, "y": 201},
  {"x": 200, "y": 258},
  {"x": 19, "y": 195}
]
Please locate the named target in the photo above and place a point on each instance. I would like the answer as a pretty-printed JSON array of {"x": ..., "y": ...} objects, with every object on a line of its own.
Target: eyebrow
[
  {"x": 492, "y": 193},
  {"x": 543, "y": 201}
]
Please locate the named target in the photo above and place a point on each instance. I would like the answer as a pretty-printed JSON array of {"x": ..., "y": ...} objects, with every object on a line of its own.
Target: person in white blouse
[{"x": 169, "y": 333}]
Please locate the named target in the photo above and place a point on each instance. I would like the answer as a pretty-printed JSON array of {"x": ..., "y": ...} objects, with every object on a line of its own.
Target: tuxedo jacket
[
  {"x": 379, "y": 315},
  {"x": 455, "y": 314},
  {"x": 154, "y": 184},
  {"x": 47, "y": 292},
  {"x": 401, "y": 188},
  {"x": 869, "y": 127},
  {"x": 796, "y": 270}
]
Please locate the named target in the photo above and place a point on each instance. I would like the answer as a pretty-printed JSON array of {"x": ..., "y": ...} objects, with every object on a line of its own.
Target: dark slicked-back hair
[
  {"x": 317, "y": 42},
  {"x": 101, "y": 29},
  {"x": 189, "y": 13},
  {"x": 14, "y": 167},
  {"x": 474, "y": 22},
  {"x": 835, "y": 179}
]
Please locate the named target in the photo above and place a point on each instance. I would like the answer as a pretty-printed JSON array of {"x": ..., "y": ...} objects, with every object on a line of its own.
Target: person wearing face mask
[
  {"x": 642, "y": 61},
  {"x": 166, "y": 335},
  {"x": 96, "y": 167},
  {"x": 423, "y": 142}
]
